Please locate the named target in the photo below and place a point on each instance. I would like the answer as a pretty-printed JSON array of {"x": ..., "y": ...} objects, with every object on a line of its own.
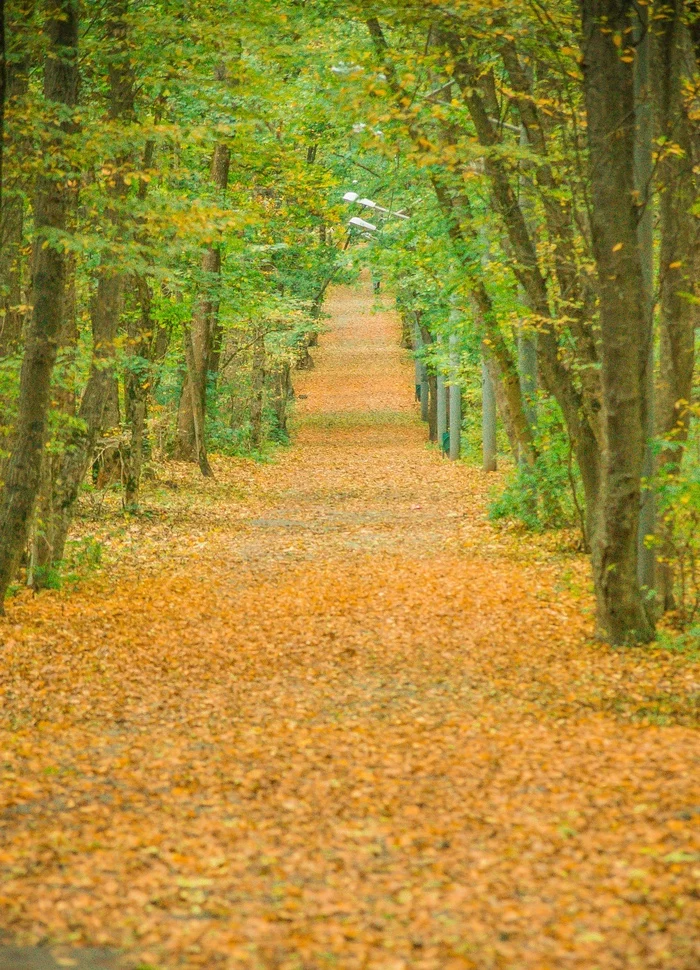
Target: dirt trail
[{"x": 324, "y": 715}]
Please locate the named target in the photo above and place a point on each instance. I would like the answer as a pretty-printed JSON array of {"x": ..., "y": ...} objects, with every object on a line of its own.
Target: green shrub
[
  {"x": 678, "y": 497},
  {"x": 548, "y": 495}
]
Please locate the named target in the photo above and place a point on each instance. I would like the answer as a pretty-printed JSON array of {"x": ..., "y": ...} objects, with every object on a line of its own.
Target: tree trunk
[
  {"x": 206, "y": 337},
  {"x": 23, "y": 472},
  {"x": 136, "y": 381},
  {"x": 41, "y": 555},
  {"x": 643, "y": 179},
  {"x": 501, "y": 401},
  {"x": 580, "y": 407},
  {"x": 257, "y": 390},
  {"x": 145, "y": 347},
  {"x": 281, "y": 394},
  {"x": 624, "y": 322},
  {"x": 488, "y": 420},
  {"x": 456, "y": 209},
  {"x": 12, "y": 216},
  {"x": 458, "y": 215},
  {"x": 679, "y": 253},
  {"x": 105, "y": 310},
  {"x": 527, "y": 371},
  {"x": 3, "y": 90},
  {"x": 432, "y": 407},
  {"x": 195, "y": 380}
]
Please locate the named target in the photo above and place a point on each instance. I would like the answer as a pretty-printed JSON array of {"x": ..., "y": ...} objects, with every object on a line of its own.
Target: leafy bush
[
  {"x": 679, "y": 514},
  {"x": 547, "y": 496}
]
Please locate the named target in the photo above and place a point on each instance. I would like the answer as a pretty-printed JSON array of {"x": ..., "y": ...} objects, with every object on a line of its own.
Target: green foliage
[
  {"x": 546, "y": 496},
  {"x": 686, "y": 642},
  {"x": 678, "y": 496},
  {"x": 82, "y": 557}
]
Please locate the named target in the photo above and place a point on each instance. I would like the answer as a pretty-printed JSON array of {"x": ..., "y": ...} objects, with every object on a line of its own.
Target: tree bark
[
  {"x": 281, "y": 394},
  {"x": 205, "y": 336},
  {"x": 3, "y": 90},
  {"x": 488, "y": 420},
  {"x": 624, "y": 322},
  {"x": 195, "y": 380},
  {"x": 679, "y": 252},
  {"x": 12, "y": 207},
  {"x": 136, "y": 380},
  {"x": 144, "y": 348},
  {"x": 105, "y": 308},
  {"x": 23, "y": 472},
  {"x": 257, "y": 389},
  {"x": 643, "y": 179},
  {"x": 579, "y": 407},
  {"x": 501, "y": 402},
  {"x": 457, "y": 213}
]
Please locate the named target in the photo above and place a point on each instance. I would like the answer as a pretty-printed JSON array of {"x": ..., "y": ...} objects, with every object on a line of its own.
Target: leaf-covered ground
[{"x": 319, "y": 713}]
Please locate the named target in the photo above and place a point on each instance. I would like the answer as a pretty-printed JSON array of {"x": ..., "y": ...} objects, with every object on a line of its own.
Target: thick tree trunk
[
  {"x": 679, "y": 252},
  {"x": 99, "y": 391},
  {"x": 624, "y": 322},
  {"x": 63, "y": 393},
  {"x": 206, "y": 337},
  {"x": 195, "y": 381},
  {"x": 23, "y": 472},
  {"x": 12, "y": 218},
  {"x": 643, "y": 179},
  {"x": 3, "y": 90},
  {"x": 145, "y": 346}
]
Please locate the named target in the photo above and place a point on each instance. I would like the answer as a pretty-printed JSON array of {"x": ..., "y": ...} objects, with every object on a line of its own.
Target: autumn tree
[{"x": 22, "y": 474}]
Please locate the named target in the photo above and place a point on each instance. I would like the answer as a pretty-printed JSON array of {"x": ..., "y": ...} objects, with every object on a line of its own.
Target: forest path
[{"x": 324, "y": 715}]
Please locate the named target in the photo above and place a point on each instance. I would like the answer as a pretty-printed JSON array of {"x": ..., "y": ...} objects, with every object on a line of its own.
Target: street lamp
[
  {"x": 369, "y": 204},
  {"x": 356, "y": 221}
]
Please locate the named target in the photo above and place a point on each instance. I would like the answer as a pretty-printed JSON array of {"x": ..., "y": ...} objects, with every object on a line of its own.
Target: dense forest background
[{"x": 173, "y": 180}]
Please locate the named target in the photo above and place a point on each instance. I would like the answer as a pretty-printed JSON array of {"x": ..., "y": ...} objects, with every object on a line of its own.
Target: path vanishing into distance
[{"x": 321, "y": 714}]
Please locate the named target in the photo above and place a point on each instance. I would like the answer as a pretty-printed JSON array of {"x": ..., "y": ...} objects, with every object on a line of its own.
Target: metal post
[
  {"x": 488, "y": 419},
  {"x": 455, "y": 400}
]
